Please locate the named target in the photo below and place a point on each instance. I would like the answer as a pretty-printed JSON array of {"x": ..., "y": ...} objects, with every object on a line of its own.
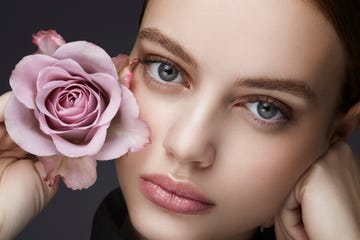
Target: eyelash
[
  {"x": 284, "y": 109},
  {"x": 145, "y": 61}
]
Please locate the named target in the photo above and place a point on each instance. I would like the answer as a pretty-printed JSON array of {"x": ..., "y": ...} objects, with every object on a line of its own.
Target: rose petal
[
  {"x": 112, "y": 91},
  {"x": 51, "y": 165},
  {"x": 23, "y": 78},
  {"x": 77, "y": 173},
  {"x": 126, "y": 132},
  {"x": 74, "y": 135},
  {"x": 46, "y": 105},
  {"x": 129, "y": 107},
  {"x": 91, "y": 57},
  {"x": 48, "y": 41},
  {"x": 54, "y": 73},
  {"x": 72, "y": 67},
  {"x": 73, "y": 128},
  {"x": 123, "y": 137},
  {"x": 75, "y": 150},
  {"x": 47, "y": 82},
  {"x": 23, "y": 128}
]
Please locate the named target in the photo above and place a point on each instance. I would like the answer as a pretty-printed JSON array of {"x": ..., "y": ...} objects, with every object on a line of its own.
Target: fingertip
[
  {"x": 120, "y": 61},
  {"x": 50, "y": 188},
  {"x": 3, "y": 100}
]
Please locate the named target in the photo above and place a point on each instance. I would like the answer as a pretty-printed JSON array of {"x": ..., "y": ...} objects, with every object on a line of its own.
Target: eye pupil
[
  {"x": 267, "y": 110},
  {"x": 167, "y": 72}
]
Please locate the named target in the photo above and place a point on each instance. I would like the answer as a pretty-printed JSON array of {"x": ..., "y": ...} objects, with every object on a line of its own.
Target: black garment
[
  {"x": 108, "y": 218},
  {"x": 112, "y": 212}
]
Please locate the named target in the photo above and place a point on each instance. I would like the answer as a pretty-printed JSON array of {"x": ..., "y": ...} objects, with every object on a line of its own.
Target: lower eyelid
[
  {"x": 257, "y": 122},
  {"x": 150, "y": 81},
  {"x": 184, "y": 84},
  {"x": 279, "y": 111},
  {"x": 151, "y": 78},
  {"x": 282, "y": 107},
  {"x": 153, "y": 58},
  {"x": 267, "y": 124}
]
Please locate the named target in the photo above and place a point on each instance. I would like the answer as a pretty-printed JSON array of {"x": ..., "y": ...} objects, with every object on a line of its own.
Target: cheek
[
  {"x": 155, "y": 109},
  {"x": 260, "y": 170},
  {"x": 253, "y": 172}
]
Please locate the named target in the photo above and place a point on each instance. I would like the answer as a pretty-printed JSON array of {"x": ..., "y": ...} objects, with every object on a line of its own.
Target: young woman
[{"x": 249, "y": 103}]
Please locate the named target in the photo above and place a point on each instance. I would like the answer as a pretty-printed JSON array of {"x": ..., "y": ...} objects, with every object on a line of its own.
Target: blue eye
[
  {"x": 265, "y": 110},
  {"x": 165, "y": 72}
]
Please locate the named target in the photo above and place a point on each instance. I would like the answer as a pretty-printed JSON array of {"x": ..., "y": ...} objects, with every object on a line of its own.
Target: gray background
[{"x": 111, "y": 25}]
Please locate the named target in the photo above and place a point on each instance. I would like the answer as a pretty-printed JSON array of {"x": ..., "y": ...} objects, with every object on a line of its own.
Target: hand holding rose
[
  {"x": 69, "y": 109},
  {"x": 23, "y": 193},
  {"x": 66, "y": 111}
]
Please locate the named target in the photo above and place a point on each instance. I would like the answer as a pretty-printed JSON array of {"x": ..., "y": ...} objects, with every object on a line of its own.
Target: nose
[{"x": 190, "y": 139}]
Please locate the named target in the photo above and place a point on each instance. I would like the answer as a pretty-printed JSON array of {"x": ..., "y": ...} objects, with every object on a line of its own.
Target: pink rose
[
  {"x": 48, "y": 41},
  {"x": 69, "y": 109}
]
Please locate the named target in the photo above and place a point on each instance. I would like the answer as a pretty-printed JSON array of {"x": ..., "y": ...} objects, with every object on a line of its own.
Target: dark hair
[
  {"x": 345, "y": 18},
  {"x": 143, "y": 10}
]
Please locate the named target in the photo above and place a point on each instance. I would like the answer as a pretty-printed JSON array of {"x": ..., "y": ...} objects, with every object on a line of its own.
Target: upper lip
[{"x": 182, "y": 189}]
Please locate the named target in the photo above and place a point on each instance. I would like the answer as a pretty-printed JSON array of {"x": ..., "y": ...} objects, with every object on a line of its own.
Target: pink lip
[{"x": 174, "y": 196}]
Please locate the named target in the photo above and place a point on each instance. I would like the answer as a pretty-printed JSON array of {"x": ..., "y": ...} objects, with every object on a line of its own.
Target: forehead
[{"x": 270, "y": 33}]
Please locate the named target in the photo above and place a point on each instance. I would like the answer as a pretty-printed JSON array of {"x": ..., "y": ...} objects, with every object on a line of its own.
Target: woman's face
[{"x": 240, "y": 97}]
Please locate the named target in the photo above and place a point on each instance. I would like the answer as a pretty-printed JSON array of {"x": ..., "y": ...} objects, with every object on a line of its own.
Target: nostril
[
  {"x": 190, "y": 139},
  {"x": 170, "y": 153},
  {"x": 208, "y": 158},
  {"x": 199, "y": 158}
]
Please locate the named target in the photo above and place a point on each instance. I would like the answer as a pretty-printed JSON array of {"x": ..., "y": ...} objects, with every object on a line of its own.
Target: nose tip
[
  {"x": 190, "y": 147},
  {"x": 191, "y": 136},
  {"x": 202, "y": 157}
]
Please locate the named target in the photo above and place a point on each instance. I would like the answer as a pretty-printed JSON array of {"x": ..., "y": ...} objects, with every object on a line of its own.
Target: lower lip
[{"x": 171, "y": 201}]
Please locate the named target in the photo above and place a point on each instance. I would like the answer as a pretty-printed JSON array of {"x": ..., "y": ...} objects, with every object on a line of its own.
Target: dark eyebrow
[
  {"x": 155, "y": 35},
  {"x": 294, "y": 87}
]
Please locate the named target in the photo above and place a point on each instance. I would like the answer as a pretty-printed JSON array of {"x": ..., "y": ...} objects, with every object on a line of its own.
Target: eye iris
[
  {"x": 167, "y": 72},
  {"x": 267, "y": 110}
]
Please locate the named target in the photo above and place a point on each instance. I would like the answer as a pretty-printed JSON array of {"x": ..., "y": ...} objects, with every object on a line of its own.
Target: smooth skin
[{"x": 207, "y": 132}]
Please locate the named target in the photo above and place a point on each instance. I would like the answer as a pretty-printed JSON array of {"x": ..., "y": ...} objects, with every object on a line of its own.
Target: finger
[
  {"x": 125, "y": 67},
  {"x": 3, "y": 100},
  {"x": 122, "y": 64},
  {"x": 23, "y": 180},
  {"x": 329, "y": 194},
  {"x": 280, "y": 231},
  {"x": 8, "y": 149},
  {"x": 289, "y": 223},
  {"x": 5, "y": 141},
  {"x": 49, "y": 191},
  {"x": 120, "y": 61}
]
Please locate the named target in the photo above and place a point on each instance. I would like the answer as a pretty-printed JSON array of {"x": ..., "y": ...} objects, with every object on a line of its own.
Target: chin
[{"x": 158, "y": 224}]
